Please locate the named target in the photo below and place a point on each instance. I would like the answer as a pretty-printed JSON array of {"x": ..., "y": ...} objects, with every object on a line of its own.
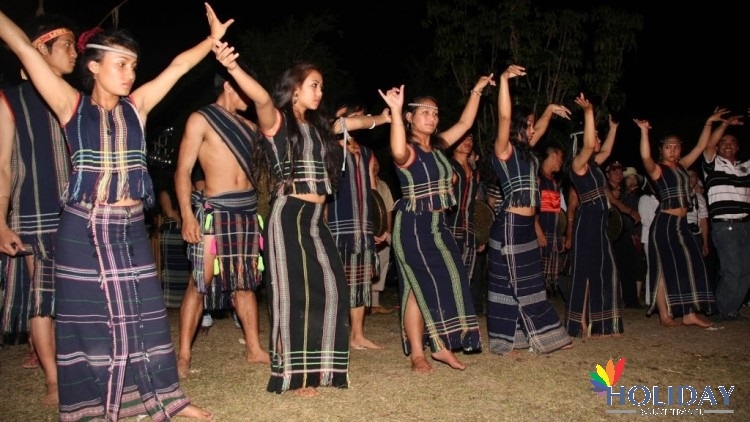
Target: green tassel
[{"x": 209, "y": 222}]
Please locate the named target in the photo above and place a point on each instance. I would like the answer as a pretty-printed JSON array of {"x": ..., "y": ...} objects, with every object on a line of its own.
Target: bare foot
[
  {"x": 696, "y": 319},
  {"x": 195, "y": 412},
  {"x": 420, "y": 365},
  {"x": 363, "y": 343},
  {"x": 306, "y": 392},
  {"x": 257, "y": 356},
  {"x": 448, "y": 358},
  {"x": 30, "y": 360},
  {"x": 183, "y": 368},
  {"x": 51, "y": 398},
  {"x": 601, "y": 336},
  {"x": 566, "y": 347},
  {"x": 668, "y": 323}
]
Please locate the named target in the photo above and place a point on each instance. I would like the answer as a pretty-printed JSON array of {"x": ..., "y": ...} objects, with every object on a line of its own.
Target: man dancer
[
  {"x": 350, "y": 220},
  {"x": 220, "y": 223},
  {"x": 34, "y": 169},
  {"x": 728, "y": 188}
]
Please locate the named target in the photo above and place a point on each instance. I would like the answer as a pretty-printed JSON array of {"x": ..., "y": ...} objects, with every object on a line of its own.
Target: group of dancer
[{"x": 317, "y": 246}]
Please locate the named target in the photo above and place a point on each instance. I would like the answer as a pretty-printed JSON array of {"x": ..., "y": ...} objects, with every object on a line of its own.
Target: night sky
[{"x": 690, "y": 58}]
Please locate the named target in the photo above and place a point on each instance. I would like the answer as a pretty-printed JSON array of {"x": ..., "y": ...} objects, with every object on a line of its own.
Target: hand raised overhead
[{"x": 394, "y": 97}]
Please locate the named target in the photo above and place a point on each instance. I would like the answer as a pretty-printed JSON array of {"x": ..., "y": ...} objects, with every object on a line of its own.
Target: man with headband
[{"x": 34, "y": 168}]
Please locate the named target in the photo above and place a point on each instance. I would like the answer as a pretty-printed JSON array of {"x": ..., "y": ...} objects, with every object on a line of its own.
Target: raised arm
[
  {"x": 649, "y": 164},
  {"x": 466, "y": 121},
  {"x": 542, "y": 123},
  {"x": 606, "y": 150},
  {"x": 148, "y": 95},
  {"x": 580, "y": 161},
  {"x": 709, "y": 153},
  {"x": 265, "y": 110},
  {"x": 358, "y": 122},
  {"x": 60, "y": 96},
  {"x": 400, "y": 151},
  {"x": 502, "y": 140},
  {"x": 688, "y": 160}
]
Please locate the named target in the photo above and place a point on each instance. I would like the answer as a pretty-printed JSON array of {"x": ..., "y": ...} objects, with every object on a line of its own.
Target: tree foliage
[
  {"x": 313, "y": 38},
  {"x": 564, "y": 51}
]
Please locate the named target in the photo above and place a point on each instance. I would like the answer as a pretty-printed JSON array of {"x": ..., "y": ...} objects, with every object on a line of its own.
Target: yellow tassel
[
  {"x": 209, "y": 222},
  {"x": 217, "y": 269}
]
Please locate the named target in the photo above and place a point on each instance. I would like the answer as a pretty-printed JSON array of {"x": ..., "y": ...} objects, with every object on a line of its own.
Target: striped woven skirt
[
  {"x": 360, "y": 268},
  {"x": 27, "y": 297},
  {"x": 553, "y": 258},
  {"x": 309, "y": 299},
  {"x": 115, "y": 356},
  {"x": 518, "y": 312},
  {"x": 430, "y": 266},
  {"x": 16, "y": 286},
  {"x": 175, "y": 266},
  {"x": 675, "y": 256},
  {"x": 595, "y": 288}
]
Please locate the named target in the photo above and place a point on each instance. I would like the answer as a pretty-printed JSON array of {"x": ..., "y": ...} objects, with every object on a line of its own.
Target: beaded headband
[
  {"x": 50, "y": 35},
  {"x": 422, "y": 105},
  {"x": 112, "y": 49}
]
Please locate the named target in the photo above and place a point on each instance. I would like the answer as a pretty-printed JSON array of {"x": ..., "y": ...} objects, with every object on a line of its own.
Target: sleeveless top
[
  {"x": 40, "y": 162},
  {"x": 308, "y": 171},
  {"x": 518, "y": 179},
  {"x": 673, "y": 187},
  {"x": 350, "y": 212},
  {"x": 427, "y": 183},
  {"x": 108, "y": 154},
  {"x": 590, "y": 187}
]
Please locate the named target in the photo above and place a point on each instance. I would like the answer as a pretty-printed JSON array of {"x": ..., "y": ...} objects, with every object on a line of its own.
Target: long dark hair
[{"x": 283, "y": 94}]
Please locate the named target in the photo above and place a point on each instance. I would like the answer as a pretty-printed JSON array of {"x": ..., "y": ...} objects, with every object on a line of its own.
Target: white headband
[
  {"x": 114, "y": 50},
  {"x": 422, "y": 105}
]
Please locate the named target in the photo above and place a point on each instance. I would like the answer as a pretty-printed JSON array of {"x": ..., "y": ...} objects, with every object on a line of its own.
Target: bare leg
[
  {"x": 191, "y": 311},
  {"x": 357, "y": 339},
  {"x": 414, "y": 326},
  {"x": 246, "y": 306},
  {"x": 30, "y": 360},
  {"x": 195, "y": 412},
  {"x": 43, "y": 334},
  {"x": 639, "y": 291},
  {"x": 584, "y": 313},
  {"x": 661, "y": 304}
]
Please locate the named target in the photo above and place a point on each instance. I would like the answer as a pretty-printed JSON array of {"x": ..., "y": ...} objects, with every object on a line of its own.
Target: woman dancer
[
  {"x": 309, "y": 295},
  {"x": 436, "y": 305},
  {"x": 595, "y": 305},
  {"x": 114, "y": 353},
  {"x": 519, "y": 315},
  {"x": 676, "y": 270}
]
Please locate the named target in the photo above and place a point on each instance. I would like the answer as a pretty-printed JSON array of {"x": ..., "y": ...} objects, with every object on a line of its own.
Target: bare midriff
[
  {"x": 677, "y": 212},
  {"x": 310, "y": 197}
]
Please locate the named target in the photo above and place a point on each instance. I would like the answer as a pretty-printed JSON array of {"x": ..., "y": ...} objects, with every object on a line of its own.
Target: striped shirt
[{"x": 728, "y": 188}]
